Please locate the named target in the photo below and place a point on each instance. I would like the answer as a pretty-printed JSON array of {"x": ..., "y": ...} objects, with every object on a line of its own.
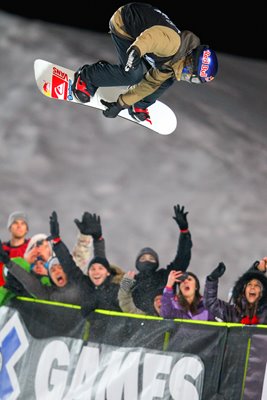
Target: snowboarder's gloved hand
[
  {"x": 134, "y": 58},
  {"x": 4, "y": 257},
  {"x": 112, "y": 109},
  {"x": 181, "y": 217},
  {"x": 217, "y": 272}
]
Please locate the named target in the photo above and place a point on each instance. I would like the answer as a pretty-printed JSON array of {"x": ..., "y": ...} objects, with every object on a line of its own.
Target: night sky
[{"x": 236, "y": 32}]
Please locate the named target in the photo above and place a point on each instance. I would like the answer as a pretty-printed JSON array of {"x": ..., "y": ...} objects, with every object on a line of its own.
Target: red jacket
[{"x": 17, "y": 251}]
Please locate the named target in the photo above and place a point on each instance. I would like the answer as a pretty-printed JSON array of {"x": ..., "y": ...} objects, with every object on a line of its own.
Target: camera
[{"x": 183, "y": 277}]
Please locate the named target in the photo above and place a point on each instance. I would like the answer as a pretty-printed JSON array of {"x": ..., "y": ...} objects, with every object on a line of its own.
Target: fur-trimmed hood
[
  {"x": 116, "y": 273},
  {"x": 244, "y": 279}
]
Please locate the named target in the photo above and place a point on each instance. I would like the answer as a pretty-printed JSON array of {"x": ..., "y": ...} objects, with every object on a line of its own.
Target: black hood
[{"x": 244, "y": 279}]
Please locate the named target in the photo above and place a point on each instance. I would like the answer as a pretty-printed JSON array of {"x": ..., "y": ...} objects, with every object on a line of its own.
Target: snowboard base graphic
[{"x": 55, "y": 82}]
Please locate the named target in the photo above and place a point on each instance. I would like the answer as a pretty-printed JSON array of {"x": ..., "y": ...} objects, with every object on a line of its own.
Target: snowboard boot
[
  {"x": 139, "y": 114},
  {"x": 79, "y": 88}
]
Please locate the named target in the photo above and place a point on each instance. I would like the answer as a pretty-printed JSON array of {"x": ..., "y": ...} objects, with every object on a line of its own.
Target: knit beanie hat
[
  {"x": 100, "y": 260},
  {"x": 15, "y": 216},
  {"x": 147, "y": 250},
  {"x": 53, "y": 261}
]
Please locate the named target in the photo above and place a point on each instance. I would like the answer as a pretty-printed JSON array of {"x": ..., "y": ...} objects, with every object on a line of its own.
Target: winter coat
[
  {"x": 104, "y": 296},
  {"x": 148, "y": 283},
  {"x": 230, "y": 312},
  {"x": 171, "y": 308},
  {"x": 158, "y": 39},
  {"x": 73, "y": 293},
  {"x": 125, "y": 298}
]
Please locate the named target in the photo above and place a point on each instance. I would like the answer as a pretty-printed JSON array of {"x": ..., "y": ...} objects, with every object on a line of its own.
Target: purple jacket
[
  {"x": 225, "y": 311},
  {"x": 170, "y": 308}
]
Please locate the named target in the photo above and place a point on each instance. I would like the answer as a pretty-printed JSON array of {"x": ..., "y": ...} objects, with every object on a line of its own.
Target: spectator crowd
[{"x": 42, "y": 267}]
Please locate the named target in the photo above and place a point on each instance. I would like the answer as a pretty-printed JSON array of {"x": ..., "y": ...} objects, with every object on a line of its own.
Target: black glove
[
  {"x": 112, "y": 110},
  {"x": 54, "y": 226},
  {"x": 4, "y": 257},
  {"x": 83, "y": 224},
  {"x": 134, "y": 58},
  {"x": 90, "y": 225},
  {"x": 180, "y": 217},
  {"x": 217, "y": 272}
]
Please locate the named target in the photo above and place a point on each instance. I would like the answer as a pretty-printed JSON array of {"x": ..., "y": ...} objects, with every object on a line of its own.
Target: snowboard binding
[
  {"x": 139, "y": 114},
  {"x": 79, "y": 88}
]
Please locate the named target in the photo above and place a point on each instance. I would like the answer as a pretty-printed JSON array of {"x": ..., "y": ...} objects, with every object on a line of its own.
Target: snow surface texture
[{"x": 57, "y": 156}]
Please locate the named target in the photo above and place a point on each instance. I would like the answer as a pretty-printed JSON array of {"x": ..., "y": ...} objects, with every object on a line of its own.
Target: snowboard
[{"x": 55, "y": 82}]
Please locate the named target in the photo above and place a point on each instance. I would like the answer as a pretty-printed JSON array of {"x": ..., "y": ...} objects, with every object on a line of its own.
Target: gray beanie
[
  {"x": 15, "y": 216},
  {"x": 53, "y": 261},
  {"x": 147, "y": 250}
]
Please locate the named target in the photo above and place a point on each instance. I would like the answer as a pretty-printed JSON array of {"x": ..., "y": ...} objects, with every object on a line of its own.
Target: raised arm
[
  {"x": 183, "y": 253},
  {"x": 61, "y": 250},
  {"x": 83, "y": 250},
  {"x": 217, "y": 307},
  {"x": 91, "y": 225}
]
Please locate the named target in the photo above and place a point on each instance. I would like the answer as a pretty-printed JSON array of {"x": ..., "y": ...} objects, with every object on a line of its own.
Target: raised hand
[
  {"x": 217, "y": 272},
  {"x": 180, "y": 217},
  {"x": 90, "y": 225},
  {"x": 54, "y": 226}
]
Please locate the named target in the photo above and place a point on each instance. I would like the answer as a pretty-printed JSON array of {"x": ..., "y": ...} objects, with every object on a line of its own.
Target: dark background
[{"x": 237, "y": 32}]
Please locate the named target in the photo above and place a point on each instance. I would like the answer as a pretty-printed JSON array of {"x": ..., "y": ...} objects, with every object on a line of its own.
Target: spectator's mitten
[
  {"x": 217, "y": 272},
  {"x": 54, "y": 227},
  {"x": 127, "y": 283}
]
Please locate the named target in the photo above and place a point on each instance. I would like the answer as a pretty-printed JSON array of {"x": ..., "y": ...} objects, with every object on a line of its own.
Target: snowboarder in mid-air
[{"x": 153, "y": 54}]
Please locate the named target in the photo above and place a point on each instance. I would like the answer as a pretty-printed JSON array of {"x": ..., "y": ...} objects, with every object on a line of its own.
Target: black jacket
[{"x": 148, "y": 283}]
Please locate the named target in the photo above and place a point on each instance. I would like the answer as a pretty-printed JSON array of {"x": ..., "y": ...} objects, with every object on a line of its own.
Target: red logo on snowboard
[{"x": 59, "y": 88}]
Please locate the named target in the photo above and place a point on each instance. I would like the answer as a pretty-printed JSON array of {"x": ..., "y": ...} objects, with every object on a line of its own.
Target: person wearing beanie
[
  {"x": 64, "y": 288},
  {"x": 18, "y": 226},
  {"x": 105, "y": 280},
  {"x": 248, "y": 305},
  {"x": 188, "y": 302},
  {"x": 150, "y": 277},
  {"x": 38, "y": 247},
  {"x": 14, "y": 287},
  {"x": 99, "y": 288},
  {"x": 17, "y": 216}
]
